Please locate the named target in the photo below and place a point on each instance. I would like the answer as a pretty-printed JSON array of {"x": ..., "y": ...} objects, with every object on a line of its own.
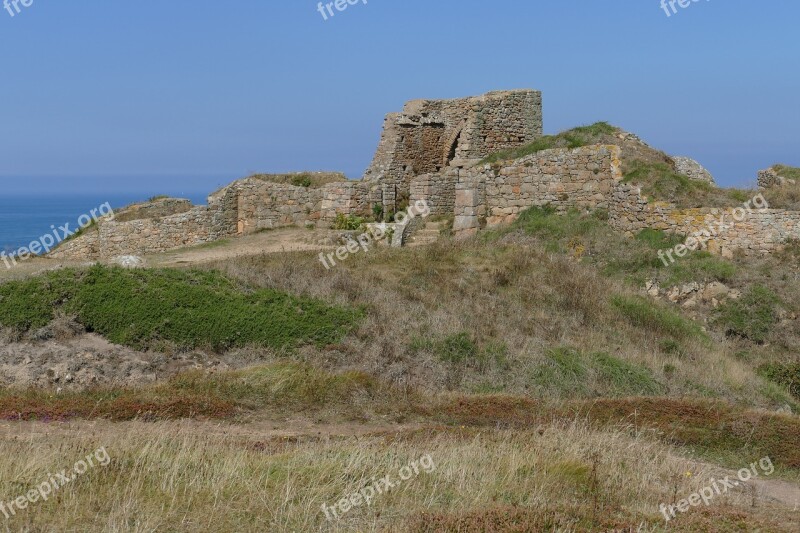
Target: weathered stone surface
[
  {"x": 430, "y": 136},
  {"x": 562, "y": 178},
  {"x": 430, "y": 152},
  {"x": 693, "y": 170},
  {"x": 770, "y": 178}
]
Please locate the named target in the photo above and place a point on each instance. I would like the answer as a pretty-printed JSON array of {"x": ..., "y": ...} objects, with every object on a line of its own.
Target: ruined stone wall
[
  {"x": 750, "y": 232},
  {"x": 431, "y": 135},
  {"x": 582, "y": 178},
  {"x": 470, "y": 205},
  {"x": 265, "y": 205},
  {"x": 439, "y": 191},
  {"x": 692, "y": 169},
  {"x": 146, "y": 236}
]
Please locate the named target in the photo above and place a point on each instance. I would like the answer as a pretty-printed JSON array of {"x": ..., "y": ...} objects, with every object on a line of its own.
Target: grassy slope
[{"x": 534, "y": 326}]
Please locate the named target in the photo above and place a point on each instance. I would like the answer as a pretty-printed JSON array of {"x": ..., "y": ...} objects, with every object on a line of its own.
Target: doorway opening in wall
[{"x": 451, "y": 154}]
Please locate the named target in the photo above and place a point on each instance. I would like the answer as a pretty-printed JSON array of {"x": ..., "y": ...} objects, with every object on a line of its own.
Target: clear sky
[{"x": 124, "y": 95}]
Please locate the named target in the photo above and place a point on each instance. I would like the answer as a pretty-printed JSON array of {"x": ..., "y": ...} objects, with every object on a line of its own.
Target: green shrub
[
  {"x": 564, "y": 370},
  {"x": 626, "y": 379},
  {"x": 752, "y": 316},
  {"x": 347, "y": 222},
  {"x": 647, "y": 314},
  {"x": 784, "y": 374},
  {"x": 457, "y": 348},
  {"x": 460, "y": 348},
  {"x": 568, "y": 371},
  {"x": 302, "y": 180},
  {"x": 659, "y": 240},
  {"x": 700, "y": 266},
  {"x": 142, "y": 308}
]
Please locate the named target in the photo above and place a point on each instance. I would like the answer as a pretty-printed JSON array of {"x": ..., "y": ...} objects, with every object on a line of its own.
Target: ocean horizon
[{"x": 25, "y": 218}]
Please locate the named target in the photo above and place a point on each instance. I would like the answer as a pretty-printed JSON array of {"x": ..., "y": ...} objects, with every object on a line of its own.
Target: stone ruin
[{"x": 432, "y": 151}]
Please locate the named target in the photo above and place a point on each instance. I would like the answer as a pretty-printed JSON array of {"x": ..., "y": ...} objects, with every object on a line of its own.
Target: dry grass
[
  {"x": 171, "y": 479},
  {"x": 507, "y": 306}
]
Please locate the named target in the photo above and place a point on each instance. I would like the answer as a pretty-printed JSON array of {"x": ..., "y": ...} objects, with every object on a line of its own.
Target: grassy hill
[{"x": 548, "y": 387}]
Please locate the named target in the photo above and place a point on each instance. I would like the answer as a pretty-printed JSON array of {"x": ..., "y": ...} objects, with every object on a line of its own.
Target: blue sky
[{"x": 115, "y": 96}]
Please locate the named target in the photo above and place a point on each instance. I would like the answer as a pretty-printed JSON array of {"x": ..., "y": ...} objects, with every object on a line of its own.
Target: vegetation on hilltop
[
  {"x": 598, "y": 133},
  {"x": 652, "y": 169},
  {"x": 785, "y": 171},
  {"x": 303, "y": 179}
]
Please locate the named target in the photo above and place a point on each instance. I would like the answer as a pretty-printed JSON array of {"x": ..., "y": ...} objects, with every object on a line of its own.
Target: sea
[{"x": 26, "y": 218}]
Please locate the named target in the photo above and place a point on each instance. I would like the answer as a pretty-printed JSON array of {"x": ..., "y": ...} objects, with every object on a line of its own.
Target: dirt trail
[{"x": 268, "y": 242}]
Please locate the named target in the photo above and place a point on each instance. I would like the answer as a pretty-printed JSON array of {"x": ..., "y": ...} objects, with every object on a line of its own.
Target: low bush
[
  {"x": 140, "y": 308},
  {"x": 347, "y": 222},
  {"x": 784, "y": 374},
  {"x": 752, "y": 316},
  {"x": 644, "y": 313}
]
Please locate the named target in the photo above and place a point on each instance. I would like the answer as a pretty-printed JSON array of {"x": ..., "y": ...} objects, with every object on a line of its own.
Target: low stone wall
[
  {"x": 261, "y": 204},
  {"x": 267, "y": 205},
  {"x": 582, "y": 178},
  {"x": 751, "y": 232},
  {"x": 351, "y": 198},
  {"x": 146, "y": 236}
]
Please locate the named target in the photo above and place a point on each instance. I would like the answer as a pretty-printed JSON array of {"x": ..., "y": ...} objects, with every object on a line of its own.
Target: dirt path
[{"x": 267, "y": 242}]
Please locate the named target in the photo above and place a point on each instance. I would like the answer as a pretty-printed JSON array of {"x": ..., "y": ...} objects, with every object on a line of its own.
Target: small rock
[
  {"x": 689, "y": 288},
  {"x": 129, "y": 261},
  {"x": 652, "y": 288},
  {"x": 715, "y": 290},
  {"x": 674, "y": 294}
]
